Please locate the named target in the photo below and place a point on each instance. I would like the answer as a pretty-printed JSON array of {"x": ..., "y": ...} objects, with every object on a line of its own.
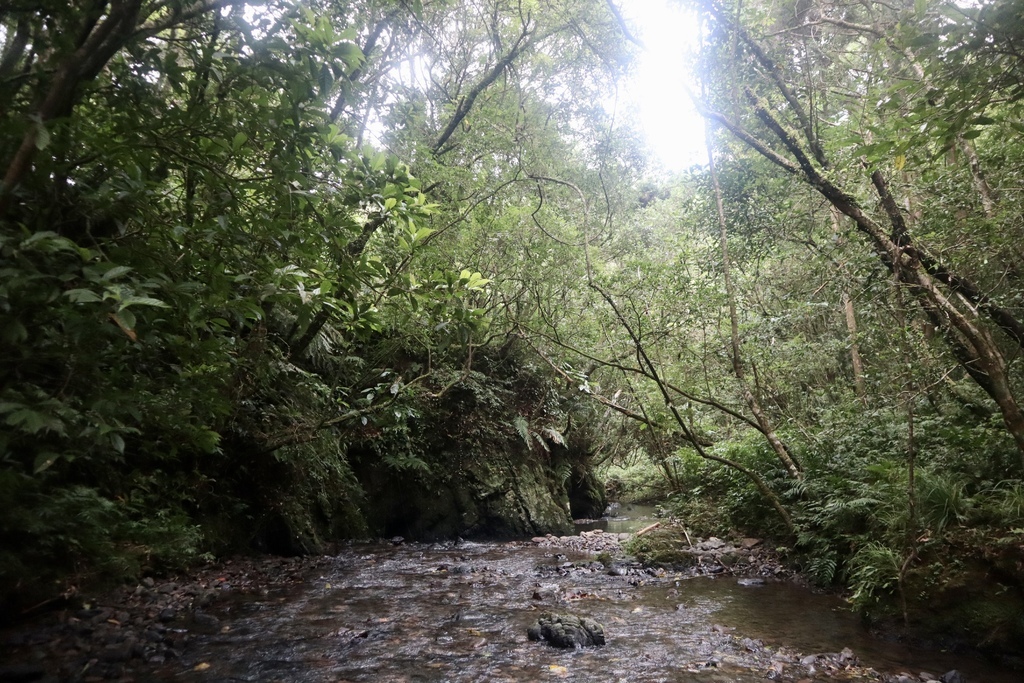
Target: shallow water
[
  {"x": 460, "y": 613},
  {"x": 624, "y": 519}
]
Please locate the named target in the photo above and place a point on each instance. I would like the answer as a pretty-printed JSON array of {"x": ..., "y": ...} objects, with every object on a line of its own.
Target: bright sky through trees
[{"x": 672, "y": 127}]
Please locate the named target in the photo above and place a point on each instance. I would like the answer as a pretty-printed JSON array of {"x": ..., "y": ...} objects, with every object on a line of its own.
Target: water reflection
[{"x": 621, "y": 519}]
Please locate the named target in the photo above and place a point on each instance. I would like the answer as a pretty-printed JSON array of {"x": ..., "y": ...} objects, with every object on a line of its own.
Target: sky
[{"x": 671, "y": 125}]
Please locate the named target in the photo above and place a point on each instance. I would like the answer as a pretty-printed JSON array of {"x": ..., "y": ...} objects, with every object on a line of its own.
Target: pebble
[{"x": 109, "y": 634}]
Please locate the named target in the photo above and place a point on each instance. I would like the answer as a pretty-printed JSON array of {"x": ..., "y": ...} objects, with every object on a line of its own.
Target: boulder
[
  {"x": 711, "y": 543},
  {"x": 567, "y": 631}
]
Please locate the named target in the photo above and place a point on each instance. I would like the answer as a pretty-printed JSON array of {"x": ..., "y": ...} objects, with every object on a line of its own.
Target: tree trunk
[
  {"x": 855, "y": 359},
  {"x": 781, "y": 452},
  {"x": 971, "y": 343}
]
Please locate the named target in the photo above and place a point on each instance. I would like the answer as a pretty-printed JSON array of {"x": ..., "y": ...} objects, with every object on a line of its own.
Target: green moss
[{"x": 663, "y": 547}]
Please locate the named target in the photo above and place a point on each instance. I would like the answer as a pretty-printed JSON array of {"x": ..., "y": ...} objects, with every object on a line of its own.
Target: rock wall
[
  {"x": 486, "y": 457},
  {"x": 488, "y": 453},
  {"x": 499, "y": 493}
]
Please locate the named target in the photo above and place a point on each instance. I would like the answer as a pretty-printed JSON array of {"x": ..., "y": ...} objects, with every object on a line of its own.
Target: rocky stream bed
[{"x": 396, "y": 611}]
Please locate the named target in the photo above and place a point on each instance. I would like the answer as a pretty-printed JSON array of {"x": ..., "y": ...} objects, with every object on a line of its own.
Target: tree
[{"x": 789, "y": 138}]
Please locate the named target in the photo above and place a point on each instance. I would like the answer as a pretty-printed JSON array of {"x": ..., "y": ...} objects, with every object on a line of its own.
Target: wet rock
[
  {"x": 167, "y": 614},
  {"x": 117, "y": 652},
  {"x": 596, "y": 541},
  {"x": 952, "y": 676},
  {"x": 567, "y": 631},
  {"x": 153, "y": 636},
  {"x": 750, "y": 582},
  {"x": 752, "y": 645},
  {"x": 205, "y": 620},
  {"x": 205, "y": 598},
  {"x": 729, "y": 558}
]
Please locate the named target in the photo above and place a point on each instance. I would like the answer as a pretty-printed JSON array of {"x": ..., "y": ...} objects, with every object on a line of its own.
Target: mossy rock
[{"x": 661, "y": 547}]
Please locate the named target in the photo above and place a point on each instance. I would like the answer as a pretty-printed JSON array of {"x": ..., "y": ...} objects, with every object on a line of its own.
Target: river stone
[
  {"x": 953, "y": 676},
  {"x": 712, "y": 544},
  {"x": 567, "y": 631},
  {"x": 729, "y": 558}
]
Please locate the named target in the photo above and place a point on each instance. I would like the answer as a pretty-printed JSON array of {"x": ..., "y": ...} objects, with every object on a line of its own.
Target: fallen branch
[{"x": 650, "y": 527}]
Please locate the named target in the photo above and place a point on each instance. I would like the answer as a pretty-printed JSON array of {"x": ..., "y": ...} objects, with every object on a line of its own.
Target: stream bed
[
  {"x": 459, "y": 612},
  {"x": 449, "y": 612}
]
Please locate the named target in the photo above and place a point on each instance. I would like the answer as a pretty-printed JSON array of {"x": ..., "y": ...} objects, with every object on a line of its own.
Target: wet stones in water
[
  {"x": 750, "y": 582},
  {"x": 567, "y": 631}
]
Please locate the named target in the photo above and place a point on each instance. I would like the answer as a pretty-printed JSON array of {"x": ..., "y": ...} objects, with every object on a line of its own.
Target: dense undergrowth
[{"x": 941, "y": 558}]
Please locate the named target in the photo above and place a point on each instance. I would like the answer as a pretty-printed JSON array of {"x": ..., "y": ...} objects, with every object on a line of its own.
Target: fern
[
  {"x": 943, "y": 499},
  {"x": 523, "y": 427},
  {"x": 875, "y": 569},
  {"x": 822, "y": 568}
]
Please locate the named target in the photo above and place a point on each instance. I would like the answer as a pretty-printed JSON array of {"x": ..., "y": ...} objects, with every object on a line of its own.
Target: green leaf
[
  {"x": 350, "y": 54},
  {"x": 239, "y": 140},
  {"x": 208, "y": 440},
  {"x": 14, "y": 332},
  {"x": 44, "y": 461},
  {"x": 42, "y": 136},
  {"x": 325, "y": 80},
  {"x": 125, "y": 320},
  {"x": 141, "y": 301},
  {"x": 33, "y": 422},
  {"x": 82, "y": 296},
  {"x": 115, "y": 272}
]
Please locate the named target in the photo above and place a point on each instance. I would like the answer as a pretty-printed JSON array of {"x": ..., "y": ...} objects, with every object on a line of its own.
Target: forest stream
[{"x": 397, "y": 611}]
